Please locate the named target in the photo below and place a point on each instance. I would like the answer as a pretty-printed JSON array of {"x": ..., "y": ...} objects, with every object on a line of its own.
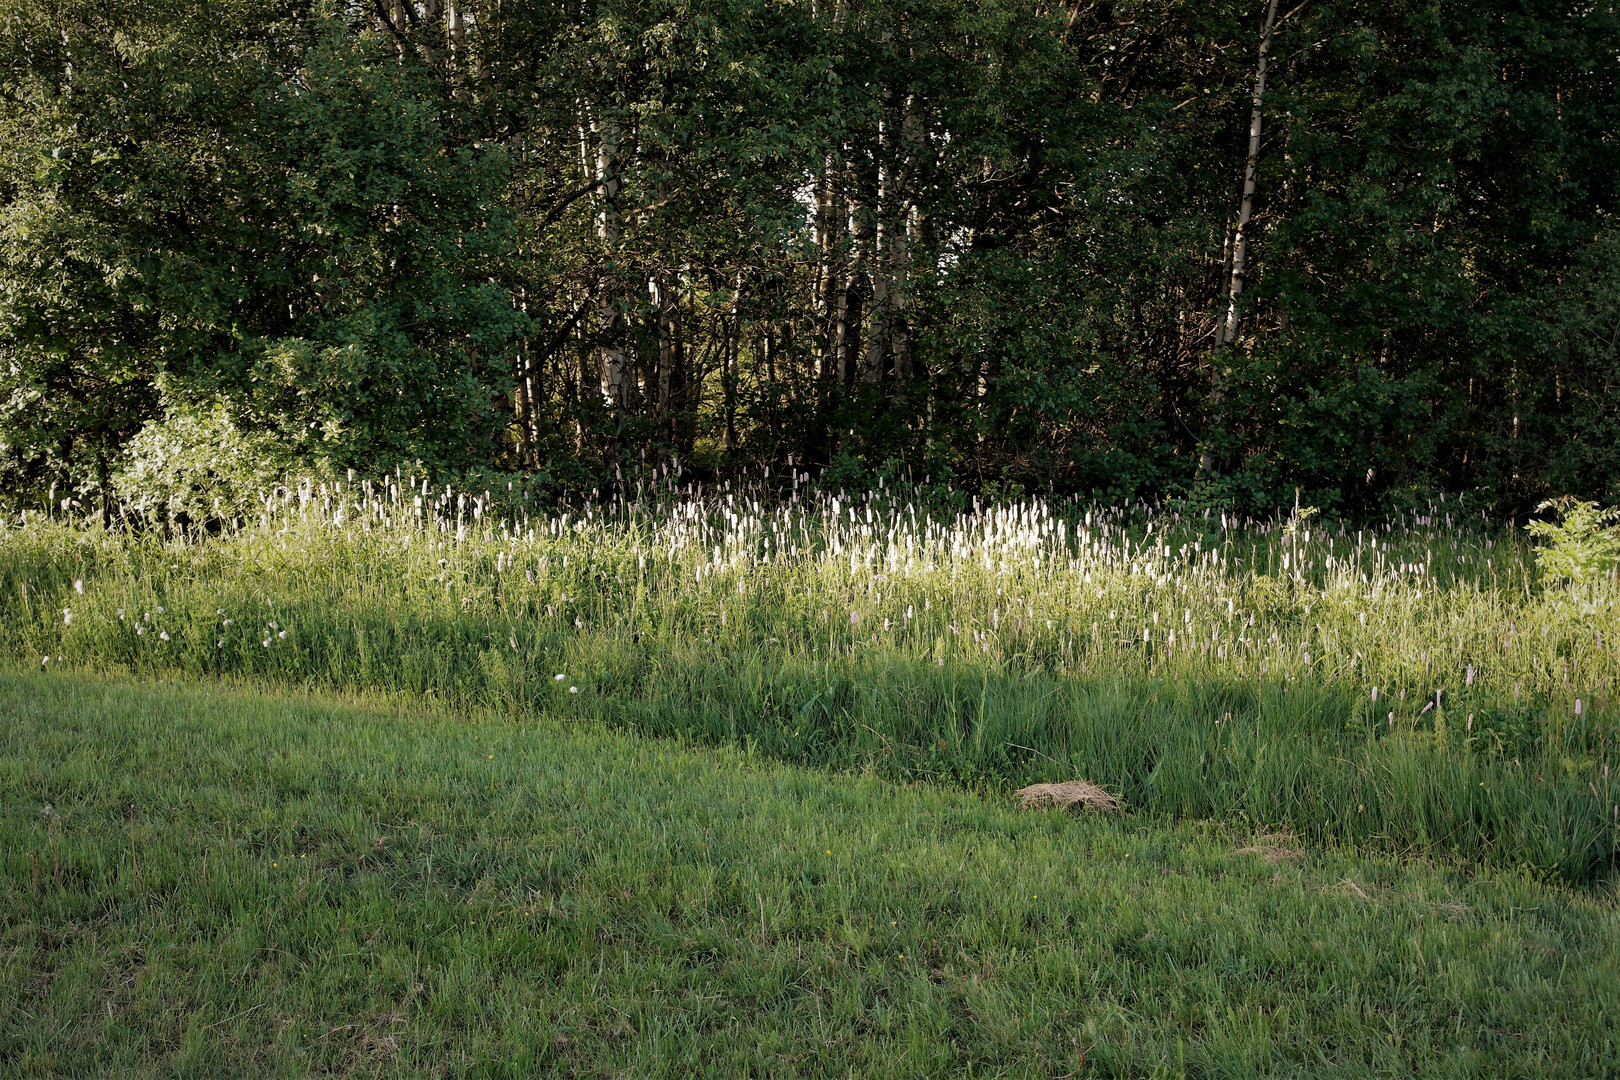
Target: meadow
[
  {"x": 223, "y": 880},
  {"x": 1413, "y": 686}
]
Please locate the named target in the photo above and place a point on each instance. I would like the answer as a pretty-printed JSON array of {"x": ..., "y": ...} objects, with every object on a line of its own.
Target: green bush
[
  {"x": 1581, "y": 545},
  {"x": 196, "y": 466}
]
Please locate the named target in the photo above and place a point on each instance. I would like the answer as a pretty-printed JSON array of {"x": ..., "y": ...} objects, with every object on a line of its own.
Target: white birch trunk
[
  {"x": 615, "y": 367},
  {"x": 1226, "y": 333}
]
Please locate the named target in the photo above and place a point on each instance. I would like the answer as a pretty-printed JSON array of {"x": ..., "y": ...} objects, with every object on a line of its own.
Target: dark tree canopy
[{"x": 995, "y": 242}]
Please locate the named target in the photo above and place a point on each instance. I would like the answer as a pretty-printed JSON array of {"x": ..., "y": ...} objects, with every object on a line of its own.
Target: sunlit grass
[
  {"x": 1408, "y": 684},
  {"x": 231, "y": 882}
]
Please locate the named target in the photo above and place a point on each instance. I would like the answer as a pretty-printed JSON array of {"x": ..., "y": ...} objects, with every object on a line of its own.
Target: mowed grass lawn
[{"x": 206, "y": 881}]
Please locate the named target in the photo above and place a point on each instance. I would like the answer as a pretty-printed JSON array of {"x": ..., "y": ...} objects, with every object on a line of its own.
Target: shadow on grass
[{"x": 1317, "y": 759}]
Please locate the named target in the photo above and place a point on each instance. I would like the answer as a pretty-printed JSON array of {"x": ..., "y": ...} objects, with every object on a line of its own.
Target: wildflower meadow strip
[{"x": 1411, "y": 685}]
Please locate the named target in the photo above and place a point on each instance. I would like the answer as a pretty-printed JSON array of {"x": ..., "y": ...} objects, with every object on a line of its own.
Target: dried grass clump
[
  {"x": 1273, "y": 847},
  {"x": 1068, "y": 794},
  {"x": 1351, "y": 887}
]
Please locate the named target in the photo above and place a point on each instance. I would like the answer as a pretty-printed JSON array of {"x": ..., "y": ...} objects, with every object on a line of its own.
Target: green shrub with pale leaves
[
  {"x": 1582, "y": 545},
  {"x": 196, "y": 466}
]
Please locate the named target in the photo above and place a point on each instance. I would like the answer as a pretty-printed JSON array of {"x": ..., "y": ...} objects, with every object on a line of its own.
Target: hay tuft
[
  {"x": 1352, "y": 887},
  {"x": 1273, "y": 847},
  {"x": 1272, "y": 853},
  {"x": 1069, "y": 794}
]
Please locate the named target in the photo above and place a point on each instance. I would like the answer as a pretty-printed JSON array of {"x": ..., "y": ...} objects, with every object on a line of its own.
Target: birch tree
[{"x": 1238, "y": 244}]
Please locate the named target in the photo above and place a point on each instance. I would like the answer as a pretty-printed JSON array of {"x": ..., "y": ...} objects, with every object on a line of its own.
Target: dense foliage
[{"x": 1005, "y": 243}]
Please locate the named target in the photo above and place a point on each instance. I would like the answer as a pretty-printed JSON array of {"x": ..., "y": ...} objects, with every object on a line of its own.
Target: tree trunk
[
  {"x": 456, "y": 26},
  {"x": 1226, "y": 333},
  {"x": 825, "y": 302},
  {"x": 615, "y": 366},
  {"x": 728, "y": 373},
  {"x": 877, "y": 322},
  {"x": 912, "y": 145},
  {"x": 855, "y": 287},
  {"x": 671, "y": 374}
]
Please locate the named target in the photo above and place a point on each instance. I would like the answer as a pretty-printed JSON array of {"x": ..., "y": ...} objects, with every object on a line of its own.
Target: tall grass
[{"x": 1409, "y": 686}]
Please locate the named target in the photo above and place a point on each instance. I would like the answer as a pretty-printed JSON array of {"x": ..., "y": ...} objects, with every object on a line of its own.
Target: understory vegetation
[
  {"x": 1144, "y": 248},
  {"x": 1421, "y": 684},
  {"x": 230, "y": 882}
]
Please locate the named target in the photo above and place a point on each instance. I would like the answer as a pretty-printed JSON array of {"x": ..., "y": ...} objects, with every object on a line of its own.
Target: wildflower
[
  {"x": 265, "y": 643},
  {"x": 45, "y": 660},
  {"x": 120, "y": 613},
  {"x": 140, "y": 630},
  {"x": 558, "y": 677},
  {"x": 227, "y": 622},
  {"x": 164, "y": 636},
  {"x": 67, "y": 617},
  {"x": 573, "y": 689},
  {"x": 160, "y": 611},
  {"x": 282, "y": 634},
  {"x": 78, "y": 586}
]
